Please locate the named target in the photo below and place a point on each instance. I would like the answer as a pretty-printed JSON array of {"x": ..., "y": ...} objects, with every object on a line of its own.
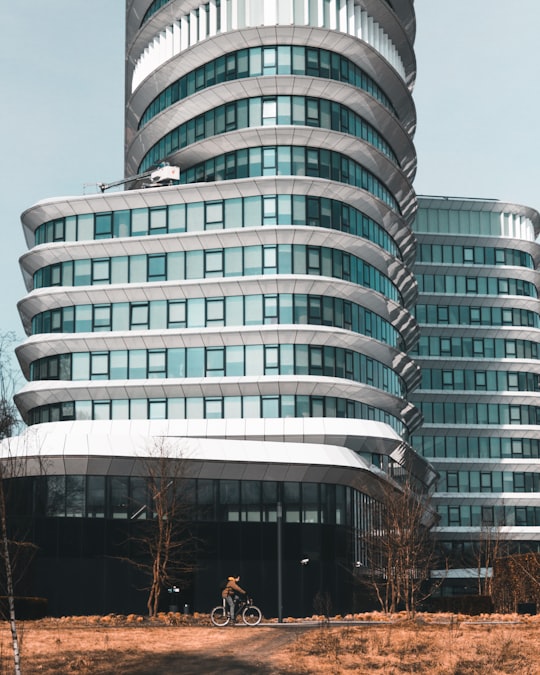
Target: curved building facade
[
  {"x": 478, "y": 308},
  {"x": 259, "y": 301}
]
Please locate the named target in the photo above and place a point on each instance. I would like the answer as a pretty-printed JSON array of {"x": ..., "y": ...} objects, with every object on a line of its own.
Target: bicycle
[{"x": 250, "y": 613}]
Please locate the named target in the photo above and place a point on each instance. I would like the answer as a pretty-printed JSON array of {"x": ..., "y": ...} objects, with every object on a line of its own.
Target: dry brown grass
[
  {"x": 171, "y": 644},
  {"x": 469, "y": 650}
]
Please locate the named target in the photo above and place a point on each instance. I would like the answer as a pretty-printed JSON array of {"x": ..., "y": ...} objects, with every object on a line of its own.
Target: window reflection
[{"x": 122, "y": 497}]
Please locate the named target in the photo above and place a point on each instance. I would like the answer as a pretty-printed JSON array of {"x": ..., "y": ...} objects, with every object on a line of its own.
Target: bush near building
[{"x": 516, "y": 583}]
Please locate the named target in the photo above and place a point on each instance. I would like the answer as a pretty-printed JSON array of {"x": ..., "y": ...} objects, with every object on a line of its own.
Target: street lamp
[
  {"x": 304, "y": 563},
  {"x": 279, "y": 517}
]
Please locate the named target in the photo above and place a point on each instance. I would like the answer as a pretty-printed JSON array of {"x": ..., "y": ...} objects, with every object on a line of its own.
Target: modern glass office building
[
  {"x": 478, "y": 308},
  {"x": 255, "y": 311}
]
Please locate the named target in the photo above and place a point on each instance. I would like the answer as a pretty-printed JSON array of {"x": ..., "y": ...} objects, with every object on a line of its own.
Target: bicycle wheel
[
  {"x": 251, "y": 615},
  {"x": 219, "y": 616}
]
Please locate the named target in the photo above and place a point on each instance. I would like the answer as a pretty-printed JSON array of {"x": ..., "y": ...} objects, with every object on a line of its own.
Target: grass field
[{"x": 432, "y": 644}]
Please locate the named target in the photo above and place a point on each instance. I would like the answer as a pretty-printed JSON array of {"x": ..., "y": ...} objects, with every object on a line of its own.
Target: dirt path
[{"x": 158, "y": 650}]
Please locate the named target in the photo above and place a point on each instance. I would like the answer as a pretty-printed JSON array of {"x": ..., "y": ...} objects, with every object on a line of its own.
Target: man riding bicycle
[{"x": 231, "y": 594}]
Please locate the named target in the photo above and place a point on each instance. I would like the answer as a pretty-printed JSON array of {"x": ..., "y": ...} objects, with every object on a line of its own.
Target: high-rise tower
[
  {"x": 256, "y": 309},
  {"x": 477, "y": 269}
]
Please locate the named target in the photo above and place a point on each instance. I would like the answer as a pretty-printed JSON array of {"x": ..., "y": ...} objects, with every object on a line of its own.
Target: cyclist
[{"x": 231, "y": 593}]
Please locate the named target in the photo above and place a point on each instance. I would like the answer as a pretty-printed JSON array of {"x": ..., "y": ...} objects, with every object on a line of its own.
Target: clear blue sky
[{"x": 62, "y": 71}]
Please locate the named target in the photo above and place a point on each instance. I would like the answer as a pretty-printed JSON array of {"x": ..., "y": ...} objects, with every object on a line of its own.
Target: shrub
[{"x": 464, "y": 604}]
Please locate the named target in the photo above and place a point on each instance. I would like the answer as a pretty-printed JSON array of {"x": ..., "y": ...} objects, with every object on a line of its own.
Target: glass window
[
  {"x": 270, "y": 258},
  {"x": 138, "y": 268},
  {"x": 157, "y": 363},
  {"x": 75, "y": 494},
  {"x": 515, "y": 414},
  {"x": 271, "y": 360},
  {"x": 291, "y": 502},
  {"x": 157, "y": 409},
  {"x": 101, "y": 410},
  {"x": 101, "y": 271},
  {"x": 95, "y": 496},
  {"x": 214, "y": 215},
  {"x": 269, "y": 60},
  {"x": 270, "y": 407},
  {"x": 139, "y": 315},
  {"x": 56, "y": 491},
  {"x": 452, "y": 481},
  {"x": 485, "y": 481},
  {"x": 341, "y": 506},
  {"x": 119, "y": 269},
  {"x": 85, "y": 226},
  {"x": 234, "y": 261},
  {"x": 196, "y": 313},
  {"x": 442, "y": 314},
  {"x": 270, "y": 308},
  {"x": 454, "y": 515},
  {"x": 139, "y": 222},
  {"x": 176, "y": 310},
  {"x": 215, "y": 361},
  {"x": 101, "y": 317},
  {"x": 121, "y": 223},
  {"x": 118, "y": 496},
  {"x": 229, "y": 499},
  {"x": 447, "y": 379},
  {"x": 251, "y": 500},
  {"x": 82, "y": 273},
  {"x": 177, "y": 218},
  {"x": 234, "y": 363},
  {"x": 475, "y": 315},
  {"x": 158, "y": 220},
  {"x": 215, "y": 311},
  {"x": 269, "y": 210},
  {"x": 157, "y": 267},
  {"x": 312, "y": 112},
  {"x": 103, "y": 225},
  {"x": 521, "y": 515},
  {"x": 80, "y": 366},
  {"x": 316, "y": 361},
  {"x": 269, "y": 111},
  {"x": 254, "y": 358},
  {"x": 213, "y": 408},
  {"x": 480, "y": 380},
  {"x": 472, "y": 284},
  {"x": 118, "y": 365},
  {"x": 513, "y": 381},
  {"x": 269, "y": 161},
  {"x": 213, "y": 262},
  {"x": 468, "y": 254},
  {"x": 99, "y": 368},
  {"x": 269, "y": 501},
  {"x": 313, "y": 260},
  {"x": 310, "y": 503}
]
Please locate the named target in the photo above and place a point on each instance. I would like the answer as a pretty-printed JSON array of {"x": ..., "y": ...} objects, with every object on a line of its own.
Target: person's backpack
[{"x": 223, "y": 585}]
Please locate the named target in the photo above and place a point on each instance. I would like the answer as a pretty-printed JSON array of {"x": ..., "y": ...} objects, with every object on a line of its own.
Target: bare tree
[
  {"x": 162, "y": 542},
  {"x": 399, "y": 550},
  {"x": 17, "y": 453},
  {"x": 9, "y": 422},
  {"x": 490, "y": 547},
  {"x": 516, "y": 579}
]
